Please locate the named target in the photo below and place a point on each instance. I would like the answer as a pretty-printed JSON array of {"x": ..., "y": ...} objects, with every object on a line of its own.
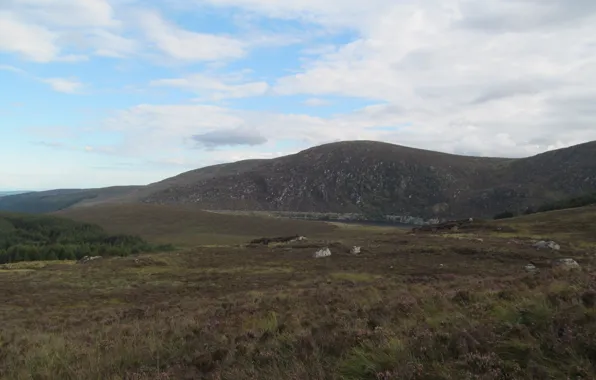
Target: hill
[
  {"x": 379, "y": 179},
  {"x": 54, "y": 200},
  {"x": 187, "y": 225},
  {"x": 576, "y": 224},
  {"x": 361, "y": 177},
  {"x": 5, "y": 193}
]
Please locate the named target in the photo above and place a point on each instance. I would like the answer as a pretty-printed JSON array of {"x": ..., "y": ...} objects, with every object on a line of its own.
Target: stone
[
  {"x": 325, "y": 252},
  {"x": 531, "y": 268},
  {"x": 355, "y": 250},
  {"x": 86, "y": 259},
  {"x": 566, "y": 263},
  {"x": 547, "y": 245}
]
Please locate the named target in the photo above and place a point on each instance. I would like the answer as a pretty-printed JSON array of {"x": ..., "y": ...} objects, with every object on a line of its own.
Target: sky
[{"x": 125, "y": 92}]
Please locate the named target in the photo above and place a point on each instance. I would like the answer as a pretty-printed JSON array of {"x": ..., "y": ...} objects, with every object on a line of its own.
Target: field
[
  {"x": 188, "y": 226},
  {"x": 452, "y": 306}
]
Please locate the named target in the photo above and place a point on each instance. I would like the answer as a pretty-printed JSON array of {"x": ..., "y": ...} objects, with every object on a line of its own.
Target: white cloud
[
  {"x": 12, "y": 69},
  {"x": 332, "y": 13},
  {"x": 66, "y": 13},
  {"x": 460, "y": 86},
  {"x": 69, "y": 86},
  {"x": 28, "y": 40},
  {"x": 494, "y": 77},
  {"x": 215, "y": 88},
  {"x": 61, "y": 30},
  {"x": 185, "y": 45},
  {"x": 316, "y": 102}
]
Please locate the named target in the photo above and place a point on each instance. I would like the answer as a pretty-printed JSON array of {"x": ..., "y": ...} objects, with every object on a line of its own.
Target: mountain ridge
[{"x": 374, "y": 179}]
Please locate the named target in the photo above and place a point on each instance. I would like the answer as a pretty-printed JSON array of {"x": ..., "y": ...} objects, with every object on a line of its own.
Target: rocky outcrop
[
  {"x": 566, "y": 264},
  {"x": 547, "y": 245},
  {"x": 325, "y": 252},
  {"x": 87, "y": 259}
]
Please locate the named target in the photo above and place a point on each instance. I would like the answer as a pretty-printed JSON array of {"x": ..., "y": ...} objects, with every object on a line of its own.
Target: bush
[
  {"x": 583, "y": 200},
  {"x": 32, "y": 238},
  {"x": 504, "y": 215}
]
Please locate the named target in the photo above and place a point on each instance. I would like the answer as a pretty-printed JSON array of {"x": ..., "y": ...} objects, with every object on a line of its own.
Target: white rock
[
  {"x": 355, "y": 250},
  {"x": 86, "y": 259},
  {"x": 325, "y": 252},
  {"x": 547, "y": 245},
  {"x": 531, "y": 268},
  {"x": 566, "y": 264}
]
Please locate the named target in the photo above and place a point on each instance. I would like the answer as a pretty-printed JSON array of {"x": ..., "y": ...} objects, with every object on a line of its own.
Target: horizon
[
  {"x": 21, "y": 191},
  {"x": 116, "y": 93}
]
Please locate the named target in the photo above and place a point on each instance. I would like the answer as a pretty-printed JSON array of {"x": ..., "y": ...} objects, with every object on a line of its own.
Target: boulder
[
  {"x": 325, "y": 252},
  {"x": 547, "y": 245},
  {"x": 86, "y": 259},
  {"x": 566, "y": 263},
  {"x": 531, "y": 268},
  {"x": 355, "y": 250}
]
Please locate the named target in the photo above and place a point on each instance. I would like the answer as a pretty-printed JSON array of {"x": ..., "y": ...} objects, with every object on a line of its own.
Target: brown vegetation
[
  {"x": 187, "y": 225},
  {"x": 429, "y": 306}
]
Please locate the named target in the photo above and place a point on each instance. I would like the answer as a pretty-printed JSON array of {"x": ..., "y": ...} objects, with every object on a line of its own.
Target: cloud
[
  {"x": 462, "y": 90},
  {"x": 236, "y": 136},
  {"x": 12, "y": 69},
  {"x": 62, "y": 30},
  {"x": 184, "y": 45},
  {"x": 215, "y": 88},
  {"x": 332, "y": 13},
  {"x": 65, "y": 13},
  {"x": 316, "y": 102},
  {"x": 67, "y": 86},
  {"x": 494, "y": 78},
  {"x": 497, "y": 16},
  {"x": 30, "y": 41}
]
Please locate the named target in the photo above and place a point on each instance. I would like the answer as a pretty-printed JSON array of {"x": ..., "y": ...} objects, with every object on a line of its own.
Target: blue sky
[{"x": 116, "y": 92}]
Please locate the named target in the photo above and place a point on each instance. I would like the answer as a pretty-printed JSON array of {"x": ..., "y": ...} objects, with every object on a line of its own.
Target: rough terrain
[{"x": 454, "y": 305}]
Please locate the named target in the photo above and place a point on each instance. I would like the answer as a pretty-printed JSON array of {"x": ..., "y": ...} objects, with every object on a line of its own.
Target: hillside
[
  {"x": 6, "y": 193},
  {"x": 359, "y": 177},
  {"x": 378, "y": 178},
  {"x": 188, "y": 225},
  {"x": 54, "y": 200}
]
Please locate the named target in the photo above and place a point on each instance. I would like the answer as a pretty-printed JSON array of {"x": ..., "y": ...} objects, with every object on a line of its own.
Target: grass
[
  {"x": 409, "y": 307},
  {"x": 188, "y": 226},
  {"x": 571, "y": 224}
]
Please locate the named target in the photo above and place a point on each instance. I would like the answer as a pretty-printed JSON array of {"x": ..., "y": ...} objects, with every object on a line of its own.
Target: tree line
[
  {"x": 574, "y": 202},
  {"x": 40, "y": 237}
]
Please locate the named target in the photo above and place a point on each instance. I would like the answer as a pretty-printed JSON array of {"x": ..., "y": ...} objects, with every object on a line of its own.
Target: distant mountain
[
  {"x": 5, "y": 193},
  {"x": 54, "y": 200},
  {"x": 375, "y": 179},
  {"x": 379, "y": 178}
]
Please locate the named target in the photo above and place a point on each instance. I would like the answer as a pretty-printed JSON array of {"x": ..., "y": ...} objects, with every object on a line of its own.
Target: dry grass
[
  {"x": 410, "y": 307},
  {"x": 572, "y": 224},
  {"x": 189, "y": 226}
]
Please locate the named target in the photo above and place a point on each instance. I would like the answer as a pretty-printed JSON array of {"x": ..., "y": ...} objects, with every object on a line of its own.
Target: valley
[
  {"x": 307, "y": 267},
  {"x": 452, "y": 305}
]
